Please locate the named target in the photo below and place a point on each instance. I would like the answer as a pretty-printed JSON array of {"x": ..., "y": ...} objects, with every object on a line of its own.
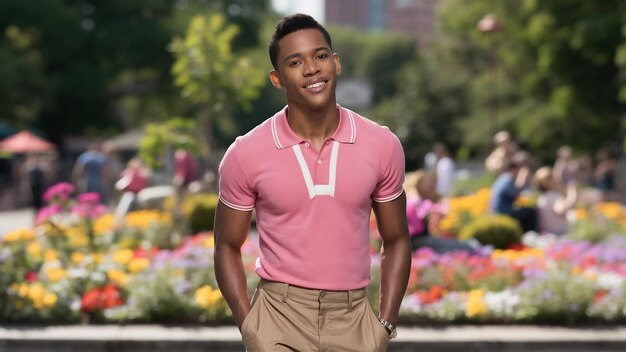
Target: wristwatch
[{"x": 390, "y": 328}]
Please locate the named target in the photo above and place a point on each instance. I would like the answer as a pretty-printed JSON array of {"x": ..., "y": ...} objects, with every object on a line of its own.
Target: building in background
[{"x": 414, "y": 18}]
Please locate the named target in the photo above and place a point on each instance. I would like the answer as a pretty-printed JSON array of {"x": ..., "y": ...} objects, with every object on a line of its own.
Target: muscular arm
[
  {"x": 231, "y": 230},
  {"x": 395, "y": 256}
]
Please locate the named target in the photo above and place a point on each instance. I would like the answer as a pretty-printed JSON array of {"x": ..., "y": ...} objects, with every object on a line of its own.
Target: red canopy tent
[{"x": 25, "y": 142}]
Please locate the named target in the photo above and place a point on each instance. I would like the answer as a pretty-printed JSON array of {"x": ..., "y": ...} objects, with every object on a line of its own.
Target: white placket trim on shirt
[{"x": 319, "y": 190}]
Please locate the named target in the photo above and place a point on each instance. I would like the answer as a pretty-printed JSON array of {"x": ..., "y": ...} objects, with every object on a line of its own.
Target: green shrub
[
  {"x": 199, "y": 211},
  {"x": 500, "y": 231},
  {"x": 594, "y": 230}
]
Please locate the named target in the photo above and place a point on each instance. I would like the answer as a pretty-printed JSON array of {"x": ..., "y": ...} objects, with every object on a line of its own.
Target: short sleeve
[
  {"x": 234, "y": 189},
  {"x": 390, "y": 182}
]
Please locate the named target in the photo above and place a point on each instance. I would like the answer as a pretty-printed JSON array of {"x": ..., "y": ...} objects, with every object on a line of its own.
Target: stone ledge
[{"x": 153, "y": 338}]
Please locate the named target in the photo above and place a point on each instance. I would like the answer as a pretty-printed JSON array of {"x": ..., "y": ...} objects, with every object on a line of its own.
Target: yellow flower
[
  {"x": 145, "y": 218},
  {"x": 610, "y": 210},
  {"x": 56, "y": 274},
  {"x": 591, "y": 276},
  {"x": 104, "y": 224},
  {"x": 35, "y": 294},
  {"x": 23, "y": 289},
  {"x": 77, "y": 257},
  {"x": 117, "y": 276},
  {"x": 123, "y": 256},
  {"x": 50, "y": 255},
  {"x": 12, "y": 236},
  {"x": 207, "y": 297},
  {"x": 49, "y": 299},
  {"x": 513, "y": 255},
  {"x": 138, "y": 264},
  {"x": 475, "y": 304},
  {"x": 97, "y": 257},
  {"x": 19, "y": 235},
  {"x": 78, "y": 240},
  {"x": 33, "y": 249},
  {"x": 581, "y": 213},
  {"x": 209, "y": 242}
]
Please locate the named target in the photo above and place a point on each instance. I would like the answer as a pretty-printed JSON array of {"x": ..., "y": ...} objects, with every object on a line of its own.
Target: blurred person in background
[
  {"x": 445, "y": 170},
  {"x": 499, "y": 158},
  {"x": 508, "y": 186},
  {"x": 424, "y": 212},
  {"x": 604, "y": 173},
  {"x": 89, "y": 172},
  {"x": 34, "y": 171},
  {"x": 552, "y": 204},
  {"x": 565, "y": 168},
  {"x": 133, "y": 179}
]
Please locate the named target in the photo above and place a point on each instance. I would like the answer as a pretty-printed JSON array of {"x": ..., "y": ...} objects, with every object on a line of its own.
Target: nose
[{"x": 311, "y": 67}]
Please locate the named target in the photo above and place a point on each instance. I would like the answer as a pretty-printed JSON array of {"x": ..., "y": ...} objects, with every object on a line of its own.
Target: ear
[
  {"x": 337, "y": 63},
  {"x": 275, "y": 79}
]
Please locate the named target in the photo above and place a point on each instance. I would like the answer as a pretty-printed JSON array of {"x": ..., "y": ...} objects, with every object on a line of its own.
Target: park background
[{"x": 151, "y": 76}]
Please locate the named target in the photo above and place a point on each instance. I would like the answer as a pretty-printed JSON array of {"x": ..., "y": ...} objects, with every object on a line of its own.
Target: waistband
[{"x": 323, "y": 296}]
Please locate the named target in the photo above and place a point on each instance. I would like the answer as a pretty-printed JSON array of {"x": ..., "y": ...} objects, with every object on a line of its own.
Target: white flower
[
  {"x": 501, "y": 303},
  {"x": 609, "y": 281}
]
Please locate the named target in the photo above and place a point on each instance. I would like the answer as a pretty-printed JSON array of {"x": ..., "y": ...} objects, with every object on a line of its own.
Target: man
[
  {"x": 445, "y": 170},
  {"x": 500, "y": 157},
  {"x": 90, "y": 173},
  {"x": 507, "y": 187},
  {"x": 313, "y": 172}
]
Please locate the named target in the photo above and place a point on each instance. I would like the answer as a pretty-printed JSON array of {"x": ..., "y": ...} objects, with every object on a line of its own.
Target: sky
[{"x": 314, "y": 8}]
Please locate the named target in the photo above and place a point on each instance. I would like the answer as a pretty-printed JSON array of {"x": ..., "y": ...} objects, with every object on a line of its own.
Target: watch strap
[{"x": 390, "y": 328}]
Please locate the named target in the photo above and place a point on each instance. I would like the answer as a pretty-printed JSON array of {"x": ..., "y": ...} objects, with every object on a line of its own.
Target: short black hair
[{"x": 290, "y": 24}]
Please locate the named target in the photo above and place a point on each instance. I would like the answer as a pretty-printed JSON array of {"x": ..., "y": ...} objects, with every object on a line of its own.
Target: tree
[
  {"x": 100, "y": 66},
  {"x": 431, "y": 99},
  {"x": 210, "y": 75},
  {"x": 557, "y": 78}
]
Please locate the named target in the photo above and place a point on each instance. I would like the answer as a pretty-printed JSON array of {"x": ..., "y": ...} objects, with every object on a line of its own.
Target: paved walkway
[
  {"x": 14, "y": 219},
  {"x": 140, "y": 338}
]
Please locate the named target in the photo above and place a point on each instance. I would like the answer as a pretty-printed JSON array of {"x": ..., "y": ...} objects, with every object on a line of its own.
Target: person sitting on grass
[
  {"x": 552, "y": 205},
  {"x": 424, "y": 211}
]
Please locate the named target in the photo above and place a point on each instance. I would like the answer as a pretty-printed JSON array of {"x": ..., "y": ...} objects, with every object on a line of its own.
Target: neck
[{"x": 313, "y": 125}]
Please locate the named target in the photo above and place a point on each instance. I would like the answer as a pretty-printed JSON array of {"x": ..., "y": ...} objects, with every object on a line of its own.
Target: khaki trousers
[{"x": 291, "y": 318}]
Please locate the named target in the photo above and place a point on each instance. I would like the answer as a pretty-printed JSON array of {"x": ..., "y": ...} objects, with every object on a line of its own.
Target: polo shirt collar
[{"x": 284, "y": 137}]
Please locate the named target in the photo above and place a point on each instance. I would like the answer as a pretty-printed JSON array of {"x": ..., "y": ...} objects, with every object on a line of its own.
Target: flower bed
[{"x": 79, "y": 263}]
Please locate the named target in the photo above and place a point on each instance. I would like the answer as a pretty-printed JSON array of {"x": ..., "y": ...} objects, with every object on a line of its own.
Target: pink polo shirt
[{"x": 313, "y": 207}]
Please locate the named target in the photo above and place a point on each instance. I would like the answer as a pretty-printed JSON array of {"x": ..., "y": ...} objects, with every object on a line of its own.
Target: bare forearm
[
  {"x": 394, "y": 276},
  {"x": 231, "y": 279}
]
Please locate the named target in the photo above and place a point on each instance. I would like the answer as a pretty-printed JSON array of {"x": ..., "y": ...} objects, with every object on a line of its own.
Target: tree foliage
[
  {"x": 556, "y": 79},
  {"x": 79, "y": 66},
  {"x": 210, "y": 74}
]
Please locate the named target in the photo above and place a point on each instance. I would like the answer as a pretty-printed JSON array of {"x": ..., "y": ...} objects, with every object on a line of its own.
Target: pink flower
[
  {"x": 46, "y": 213},
  {"x": 90, "y": 211},
  {"x": 59, "y": 192},
  {"x": 90, "y": 197}
]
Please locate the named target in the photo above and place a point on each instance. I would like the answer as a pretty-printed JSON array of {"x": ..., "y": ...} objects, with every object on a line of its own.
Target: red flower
[
  {"x": 431, "y": 296},
  {"x": 145, "y": 253},
  {"x": 101, "y": 298},
  {"x": 598, "y": 296},
  {"x": 90, "y": 301},
  {"x": 30, "y": 276},
  {"x": 110, "y": 296},
  {"x": 517, "y": 246}
]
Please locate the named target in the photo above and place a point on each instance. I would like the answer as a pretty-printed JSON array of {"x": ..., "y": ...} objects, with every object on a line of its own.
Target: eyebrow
[{"x": 294, "y": 55}]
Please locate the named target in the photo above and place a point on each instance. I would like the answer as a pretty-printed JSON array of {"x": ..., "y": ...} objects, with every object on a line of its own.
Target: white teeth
[{"x": 315, "y": 85}]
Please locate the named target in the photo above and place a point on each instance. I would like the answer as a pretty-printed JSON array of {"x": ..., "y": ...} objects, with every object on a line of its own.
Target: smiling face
[{"x": 307, "y": 70}]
